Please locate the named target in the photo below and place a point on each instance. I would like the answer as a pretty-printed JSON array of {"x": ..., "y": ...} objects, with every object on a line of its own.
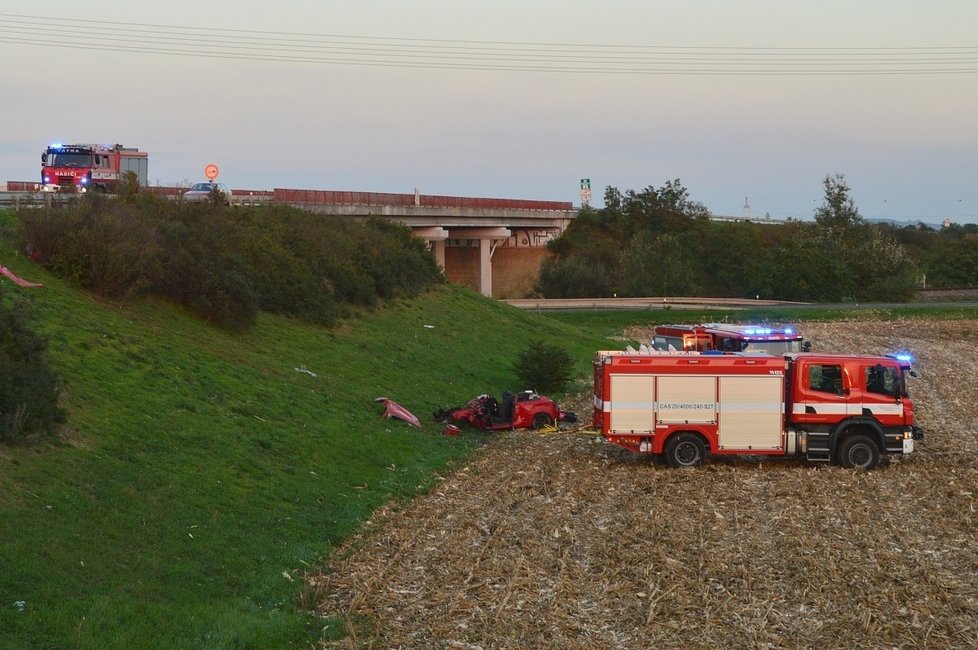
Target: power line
[{"x": 448, "y": 54}]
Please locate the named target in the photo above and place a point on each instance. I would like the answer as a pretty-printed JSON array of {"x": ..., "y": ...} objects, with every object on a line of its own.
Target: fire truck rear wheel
[
  {"x": 859, "y": 452},
  {"x": 685, "y": 450}
]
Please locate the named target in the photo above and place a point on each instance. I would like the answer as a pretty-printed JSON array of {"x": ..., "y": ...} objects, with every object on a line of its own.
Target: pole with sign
[{"x": 585, "y": 191}]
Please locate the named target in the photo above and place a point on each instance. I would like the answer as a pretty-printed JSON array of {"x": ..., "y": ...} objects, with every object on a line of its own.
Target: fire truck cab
[
  {"x": 834, "y": 408},
  {"x": 88, "y": 167},
  {"x": 729, "y": 338}
]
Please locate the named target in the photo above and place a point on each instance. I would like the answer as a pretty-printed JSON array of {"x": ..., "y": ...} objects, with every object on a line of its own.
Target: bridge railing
[{"x": 333, "y": 197}]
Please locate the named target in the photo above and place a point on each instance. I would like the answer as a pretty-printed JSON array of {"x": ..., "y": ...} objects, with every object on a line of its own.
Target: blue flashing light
[
  {"x": 789, "y": 330},
  {"x": 56, "y": 145},
  {"x": 903, "y": 357}
]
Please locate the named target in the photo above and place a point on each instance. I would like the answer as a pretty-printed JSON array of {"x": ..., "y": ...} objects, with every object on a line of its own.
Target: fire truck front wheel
[
  {"x": 685, "y": 450},
  {"x": 859, "y": 452}
]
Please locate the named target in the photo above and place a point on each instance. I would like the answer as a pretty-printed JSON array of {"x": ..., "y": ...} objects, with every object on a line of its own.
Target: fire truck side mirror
[{"x": 806, "y": 346}]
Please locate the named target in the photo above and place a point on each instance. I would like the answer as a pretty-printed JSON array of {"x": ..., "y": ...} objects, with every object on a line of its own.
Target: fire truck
[
  {"x": 729, "y": 338},
  {"x": 85, "y": 167},
  {"x": 832, "y": 408}
]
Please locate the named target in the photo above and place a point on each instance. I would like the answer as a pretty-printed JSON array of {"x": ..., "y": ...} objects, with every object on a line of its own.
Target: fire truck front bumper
[{"x": 910, "y": 437}]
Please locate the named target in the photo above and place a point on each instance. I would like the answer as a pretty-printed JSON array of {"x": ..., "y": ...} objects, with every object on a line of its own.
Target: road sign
[
  {"x": 211, "y": 171},
  {"x": 585, "y": 184}
]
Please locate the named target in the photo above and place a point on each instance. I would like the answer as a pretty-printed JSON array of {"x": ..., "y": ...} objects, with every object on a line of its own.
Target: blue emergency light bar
[
  {"x": 905, "y": 357},
  {"x": 767, "y": 331}
]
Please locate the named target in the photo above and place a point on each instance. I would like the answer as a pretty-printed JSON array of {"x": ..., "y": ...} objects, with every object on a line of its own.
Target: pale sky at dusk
[{"x": 514, "y": 99}]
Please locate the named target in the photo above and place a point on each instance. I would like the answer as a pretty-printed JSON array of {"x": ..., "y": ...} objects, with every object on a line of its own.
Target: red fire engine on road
[
  {"x": 729, "y": 338},
  {"x": 84, "y": 167},
  {"x": 848, "y": 409}
]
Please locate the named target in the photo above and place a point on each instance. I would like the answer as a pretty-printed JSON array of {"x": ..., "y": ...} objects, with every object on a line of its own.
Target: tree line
[{"x": 660, "y": 242}]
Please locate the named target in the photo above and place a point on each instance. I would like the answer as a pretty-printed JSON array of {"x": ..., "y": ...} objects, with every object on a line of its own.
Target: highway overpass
[{"x": 494, "y": 246}]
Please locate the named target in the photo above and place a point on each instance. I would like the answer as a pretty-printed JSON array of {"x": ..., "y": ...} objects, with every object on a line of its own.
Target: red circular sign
[{"x": 211, "y": 171}]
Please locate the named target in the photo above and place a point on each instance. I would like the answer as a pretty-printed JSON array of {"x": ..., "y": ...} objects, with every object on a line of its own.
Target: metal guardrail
[
  {"x": 14, "y": 199},
  {"x": 39, "y": 199},
  {"x": 661, "y": 302}
]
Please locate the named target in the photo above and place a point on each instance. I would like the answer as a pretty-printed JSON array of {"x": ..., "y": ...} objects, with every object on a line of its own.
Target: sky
[{"x": 750, "y": 104}]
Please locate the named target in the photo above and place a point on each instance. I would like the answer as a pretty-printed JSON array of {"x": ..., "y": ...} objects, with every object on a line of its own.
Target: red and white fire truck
[
  {"x": 729, "y": 338},
  {"x": 845, "y": 409},
  {"x": 84, "y": 167}
]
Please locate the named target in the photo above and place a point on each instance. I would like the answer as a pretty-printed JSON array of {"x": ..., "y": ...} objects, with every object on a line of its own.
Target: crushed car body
[{"x": 523, "y": 410}]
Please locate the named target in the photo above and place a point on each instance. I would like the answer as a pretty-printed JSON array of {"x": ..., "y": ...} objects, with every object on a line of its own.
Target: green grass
[{"x": 198, "y": 467}]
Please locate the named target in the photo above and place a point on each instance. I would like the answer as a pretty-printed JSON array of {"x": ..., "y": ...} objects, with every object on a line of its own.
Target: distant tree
[
  {"x": 838, "y": 213},
  {"x": 575, "y": 276},
  {"x": 866, "y": 262},
  {"x": 660, "y": 265},
  {"x": 735, "y": 258},
  {"x": 954, "y": 263},
  {"x": 802, "y": 269},
  {"x": 129, "y": 187},
  {"x": 635, "y": 243}
]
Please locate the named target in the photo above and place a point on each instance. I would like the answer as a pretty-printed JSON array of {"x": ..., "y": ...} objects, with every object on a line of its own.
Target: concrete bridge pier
[
  {"x": 488, "y": 238},
  {"x": 435, "y": 236}
]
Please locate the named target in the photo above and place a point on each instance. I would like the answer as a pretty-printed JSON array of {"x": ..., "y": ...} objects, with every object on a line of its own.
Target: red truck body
[
  {"x": 728, "y": 338},
  {"x": 849, "y": 409},
  {"x": 84, "y": 167}
]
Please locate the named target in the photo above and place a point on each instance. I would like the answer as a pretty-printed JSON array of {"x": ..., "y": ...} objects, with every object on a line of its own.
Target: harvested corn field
[{"x": 563, "y": 541}]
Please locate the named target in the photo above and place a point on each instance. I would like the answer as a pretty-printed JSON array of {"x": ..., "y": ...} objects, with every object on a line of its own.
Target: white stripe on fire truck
[
  {"x": 738, "y": 407},
  {"x": 840, "y": 408},
  {"x": 628, "y": 406}
]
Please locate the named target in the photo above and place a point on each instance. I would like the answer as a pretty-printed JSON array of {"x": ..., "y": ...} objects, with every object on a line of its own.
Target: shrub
[
  {"x": 201, "y": 272},
  {"x": 100, "y": 246},
  {"x": 225, "y": 264},
  {"x": 575, "y": 276},
  {"x": 28, "y": 394},
  {"x": 544, "y": 367}
]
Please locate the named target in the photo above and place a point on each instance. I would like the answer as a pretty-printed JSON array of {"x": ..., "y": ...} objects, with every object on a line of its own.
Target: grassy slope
[{"x": 200, "y": 466}]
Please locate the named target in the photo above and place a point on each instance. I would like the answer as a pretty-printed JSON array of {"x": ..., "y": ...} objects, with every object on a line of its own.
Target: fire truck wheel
[
  {"x": 685, "y": 450},
  {"x": 541, "y": 420},
  {"x": 859, "y": 452}
]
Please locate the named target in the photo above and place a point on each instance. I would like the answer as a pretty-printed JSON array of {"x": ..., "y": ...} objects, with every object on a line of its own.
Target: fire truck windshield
[
  {"x": 56, "y": 159},
  {"x": 774, "y": 348}
]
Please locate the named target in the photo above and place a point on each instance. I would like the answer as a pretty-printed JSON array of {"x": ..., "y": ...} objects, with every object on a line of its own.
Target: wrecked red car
[{"x": 523, "y": 410}]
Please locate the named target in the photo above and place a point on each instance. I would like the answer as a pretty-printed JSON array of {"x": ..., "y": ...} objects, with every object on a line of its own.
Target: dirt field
[{"x": 562, "y": 541}]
